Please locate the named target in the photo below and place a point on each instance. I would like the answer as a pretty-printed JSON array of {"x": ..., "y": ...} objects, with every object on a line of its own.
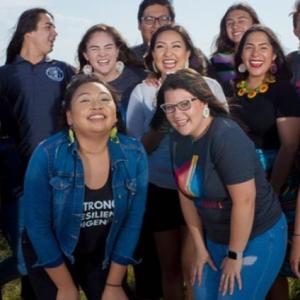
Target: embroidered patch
[{"x": 55, "y": 73}]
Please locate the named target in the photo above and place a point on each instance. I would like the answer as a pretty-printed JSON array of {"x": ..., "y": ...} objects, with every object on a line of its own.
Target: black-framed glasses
[
  {"x": 162, "y": 20},
  {"x": 182, "y": 105}
]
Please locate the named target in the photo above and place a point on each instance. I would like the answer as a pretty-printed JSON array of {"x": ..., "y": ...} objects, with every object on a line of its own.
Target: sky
[{"x": 200, "y": 17}]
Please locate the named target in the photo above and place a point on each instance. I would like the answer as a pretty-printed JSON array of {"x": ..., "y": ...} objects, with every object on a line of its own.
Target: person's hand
[
  {"x": 201, "y": 259},
  {"x": 151, "y": 80},
  {"x": 67, "y": 293},
  {"x": 295, "y": 256},
  {"x": 231, "y": 272},
  {"x": 113, "y": 293}
]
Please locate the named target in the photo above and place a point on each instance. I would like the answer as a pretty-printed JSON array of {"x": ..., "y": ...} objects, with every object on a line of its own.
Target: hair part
[
  {"x": 223, "y": 43},
  {"x": 196, "y": 59},
  {"x": 27, "y": 22},
  {"x": 283, "y": 71},
  {"x": 146, "y": 3}
]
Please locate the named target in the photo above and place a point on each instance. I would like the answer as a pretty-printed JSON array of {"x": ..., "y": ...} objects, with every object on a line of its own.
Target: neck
[
  {"x": 92, "y": 145},
  {"x": 109, "y": 77},
  {"x": 254, "y": 81},
  {"x": 31, "y": 55},
  {"x": 203, "y": 128}
]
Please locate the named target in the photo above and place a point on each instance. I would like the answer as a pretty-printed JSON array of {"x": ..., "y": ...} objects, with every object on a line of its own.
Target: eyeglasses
[
  {"x": 162, "y": 20},
  {"x": 181, "y": 105}
]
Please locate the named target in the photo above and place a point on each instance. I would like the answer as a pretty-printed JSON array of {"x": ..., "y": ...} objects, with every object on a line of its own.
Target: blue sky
[{"x": 200, "y": 17}]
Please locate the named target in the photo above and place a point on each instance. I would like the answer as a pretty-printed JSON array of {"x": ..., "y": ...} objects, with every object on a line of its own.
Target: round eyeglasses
[{"x": 182, "y": 105}]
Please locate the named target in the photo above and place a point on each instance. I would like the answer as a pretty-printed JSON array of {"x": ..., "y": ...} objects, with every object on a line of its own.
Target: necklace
[{"x": 243, "y": 87}]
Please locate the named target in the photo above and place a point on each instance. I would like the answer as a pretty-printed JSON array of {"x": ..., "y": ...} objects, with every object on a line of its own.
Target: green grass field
[{"x": 11, "y": 291}]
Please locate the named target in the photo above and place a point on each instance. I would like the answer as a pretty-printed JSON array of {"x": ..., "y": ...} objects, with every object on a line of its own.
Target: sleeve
[
  {"x": 135, "y": 116},
  {"x": 131, "y": 228},
  {"x": 287, "y": 102},
  {"x": 216, "y": 89},
  {"x": 37, "y": 211},
  {"x": 233, "y": 154}
]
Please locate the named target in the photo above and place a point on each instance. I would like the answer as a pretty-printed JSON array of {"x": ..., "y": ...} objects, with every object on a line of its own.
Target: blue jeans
[{"x": 262, "y": 260}]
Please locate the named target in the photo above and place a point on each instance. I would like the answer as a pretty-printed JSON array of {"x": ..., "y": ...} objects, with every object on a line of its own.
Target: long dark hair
[
  {"x": 27, "y": 22},
  {"x": 125, "y": 53},
  {"x": 194, "y": 83},
  {"x": 196, "y": 60},
  {"x": 283, "y": 71},
  {"x": 223, "y": 43}
]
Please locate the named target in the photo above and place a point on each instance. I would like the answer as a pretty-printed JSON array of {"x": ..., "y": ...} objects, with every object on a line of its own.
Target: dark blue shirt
[{"x": 34, "y": 93}]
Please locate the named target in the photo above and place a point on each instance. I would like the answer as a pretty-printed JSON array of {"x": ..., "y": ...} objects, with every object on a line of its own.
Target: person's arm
[
  {"x": 37, "y": 209},
  {"x": 295, "y": 251},
  {"x": 61, "y": 277},
  {"x": 113, "y": 288},
  {"x": 194, "y": 224},
  {"x": 241, "y": 221},
  {"x": 129, "y": 232},
  {"x": 289, "y": 134}
]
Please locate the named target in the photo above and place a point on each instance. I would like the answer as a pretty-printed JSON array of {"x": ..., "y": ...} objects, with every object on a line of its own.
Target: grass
[{"x": 11, "y": 291}]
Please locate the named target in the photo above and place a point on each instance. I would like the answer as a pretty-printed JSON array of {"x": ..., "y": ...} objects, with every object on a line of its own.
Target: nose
[
  {"x": 97, "y": 104},
  {"x": 168, "y": 51},
  {"x": 156, "y": 24}
]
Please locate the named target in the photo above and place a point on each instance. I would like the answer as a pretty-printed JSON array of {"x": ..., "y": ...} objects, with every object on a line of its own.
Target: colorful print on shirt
[{"x": 189, "y": 177}]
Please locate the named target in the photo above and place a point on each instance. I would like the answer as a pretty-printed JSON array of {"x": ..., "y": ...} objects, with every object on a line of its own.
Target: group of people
[{"x": 152, "y": 156}]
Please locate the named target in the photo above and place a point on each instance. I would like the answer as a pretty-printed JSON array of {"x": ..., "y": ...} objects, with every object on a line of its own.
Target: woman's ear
[{"x": 69, "y": 118}]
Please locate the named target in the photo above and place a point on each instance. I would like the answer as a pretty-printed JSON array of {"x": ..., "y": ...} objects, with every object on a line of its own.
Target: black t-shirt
[
  {"x": 203, "y": 168},
  {"x": 259, "y": 114},
  {"x": 98, "y": 210}
]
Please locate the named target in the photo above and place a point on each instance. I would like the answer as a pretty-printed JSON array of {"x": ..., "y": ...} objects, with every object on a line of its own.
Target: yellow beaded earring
[{"x": 114, "y": 135}]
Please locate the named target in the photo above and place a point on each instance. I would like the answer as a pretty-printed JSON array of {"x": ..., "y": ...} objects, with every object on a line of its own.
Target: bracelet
[{"x": 113, "y": 285}]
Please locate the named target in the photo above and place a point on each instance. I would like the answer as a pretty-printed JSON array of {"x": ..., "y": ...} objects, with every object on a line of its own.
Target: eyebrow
[
  {"x": 260, "y": 44},
  {"x": 88, "y": 93},
  {"x": 174, "y": 42}
]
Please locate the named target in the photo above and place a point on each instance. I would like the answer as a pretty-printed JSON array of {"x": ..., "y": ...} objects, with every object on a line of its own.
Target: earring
[
  {"x": 114, "y": 135},
  {"x": 87, "y": 69},
  {"x": 71, "y": 135},
  {"x": 120, "y": 66},
  {"x": 205, "y": 112},
  {"x": 273, "y": 68},
  {"x": 242, "y": 68},
  {"x": 154, "y": 67},
  {"x": 187, "y": 64}
]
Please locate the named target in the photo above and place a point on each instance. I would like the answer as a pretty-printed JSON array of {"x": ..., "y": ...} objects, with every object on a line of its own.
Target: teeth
[
  {"x": 255, "y": 64},
  {"x": 181, "y": 123},
  {"x": 103, "y": 61},
  {"x": 96, "y": 117},
  {"x": 169, "y": 63}
]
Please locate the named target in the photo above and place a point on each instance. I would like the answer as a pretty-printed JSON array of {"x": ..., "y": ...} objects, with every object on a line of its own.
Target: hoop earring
[
  {"x": 114, "y": 135},
  {"x": 205, "y": 112},
  {"x": 273, "y": 68},
  {"x": 120, "y": 66},
  {"x": 242, "y": 68},
  {"x": 154, "y": 67},
  {"x": 87, "y": 69}
]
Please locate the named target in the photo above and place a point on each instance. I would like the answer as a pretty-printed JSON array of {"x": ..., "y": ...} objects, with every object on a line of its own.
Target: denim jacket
[{"x": 52, "y": 204}]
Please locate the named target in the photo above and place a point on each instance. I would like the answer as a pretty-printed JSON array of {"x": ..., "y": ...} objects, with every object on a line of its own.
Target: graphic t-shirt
[
  {"x": 203, "y": 168},
  {"x": 98, "y": 211}
]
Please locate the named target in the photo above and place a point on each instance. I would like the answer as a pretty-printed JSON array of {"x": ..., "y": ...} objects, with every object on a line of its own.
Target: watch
[{"x": 235, "y": 254}]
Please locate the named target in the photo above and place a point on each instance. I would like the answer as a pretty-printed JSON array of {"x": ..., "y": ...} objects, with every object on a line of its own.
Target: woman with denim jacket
[{"x": 84, "y": 198}]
